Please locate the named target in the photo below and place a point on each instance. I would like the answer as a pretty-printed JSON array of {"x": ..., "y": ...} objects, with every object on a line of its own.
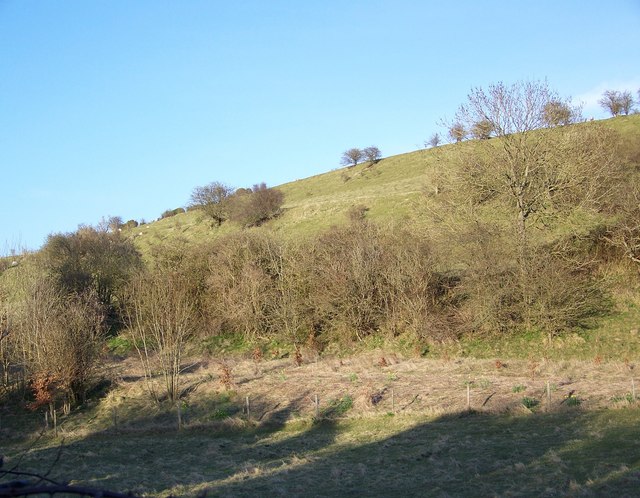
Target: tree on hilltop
[
  {"x": 351, "y": 157},
  {"x": 482, "y": 129},
  {"x": 457, "y": 132},
  {"x": 434, "y": 140},
  {"x": 558, "y": 113},
  {"x": 372, "y": 154},
  {"x": 626, "y": 102},
  {"x": 617, "y": 102},
  {"x": 252, "y": 207}
]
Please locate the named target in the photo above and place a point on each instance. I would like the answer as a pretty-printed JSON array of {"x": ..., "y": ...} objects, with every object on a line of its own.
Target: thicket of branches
[
  {"x": 247, "y": 207},
  {"x": 57, "y": 308}
]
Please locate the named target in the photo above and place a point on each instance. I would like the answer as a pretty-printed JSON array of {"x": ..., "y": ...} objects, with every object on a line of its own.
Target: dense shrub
[
  {"x": 241, "y": 284},
  {"x": 171, "y": 212},
  {"x": 256, "y": 206},
  {"x": 341, "y": 286},
  {"x": 91, "y": 260},
  {"x": 558, "y": 292},
  {"x": 367, "y": 280}
]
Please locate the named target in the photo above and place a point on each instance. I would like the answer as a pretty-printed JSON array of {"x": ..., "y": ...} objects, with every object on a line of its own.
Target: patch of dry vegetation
[{"x": 406, "y": 428}]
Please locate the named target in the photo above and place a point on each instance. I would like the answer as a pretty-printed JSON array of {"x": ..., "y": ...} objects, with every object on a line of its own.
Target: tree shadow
[
  {"x": 569, "y": 452},
  {"x": 468, "y": 454}
]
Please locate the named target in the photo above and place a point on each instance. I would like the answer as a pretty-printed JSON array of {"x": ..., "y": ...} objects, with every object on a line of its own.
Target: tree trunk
[{"x": 524, "y": 267}]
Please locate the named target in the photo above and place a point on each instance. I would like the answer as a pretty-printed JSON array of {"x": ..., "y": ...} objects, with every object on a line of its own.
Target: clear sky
[{"x": 122, "y": 107}]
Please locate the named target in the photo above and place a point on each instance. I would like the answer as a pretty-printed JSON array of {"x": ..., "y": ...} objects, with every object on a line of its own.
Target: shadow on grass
[{"x": 567, "y": 453}]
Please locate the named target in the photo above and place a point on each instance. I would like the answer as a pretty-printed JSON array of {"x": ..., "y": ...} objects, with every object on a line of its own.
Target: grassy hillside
[
  {"x": 397, "y": 189},
  {"x": 401, "y": 190},
  {"x": 391, "y": 189}
]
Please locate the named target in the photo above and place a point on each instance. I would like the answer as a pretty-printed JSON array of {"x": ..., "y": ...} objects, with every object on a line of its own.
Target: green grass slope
[{"x": 394, "y": 190}]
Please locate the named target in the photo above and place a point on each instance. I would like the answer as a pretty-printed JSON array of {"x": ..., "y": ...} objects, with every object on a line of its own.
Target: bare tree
[
  {"x": 626, "y": 102},
  {"x": 434, "y": 140},
  {"x": 482, "y": 129},
  {"x": 457, "y": 132},
  {"x": 57, "y": 335},
  {"x": 558, "y": 113},
  {"x": 7, "y": 340},
  {"x": 111, "y": 224},
  {"x": 611, "y": 101},
  {"x": 213, "y": 200},
  {"x": 536, "y": 173},
  {"x": 161, "y": 316},
  {"x": 372, "y": 154},
  {"x": 351, "y": 157}
]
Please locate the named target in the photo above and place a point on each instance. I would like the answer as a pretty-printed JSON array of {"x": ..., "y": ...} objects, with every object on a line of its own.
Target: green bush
[{"x": 120, "y": 345}]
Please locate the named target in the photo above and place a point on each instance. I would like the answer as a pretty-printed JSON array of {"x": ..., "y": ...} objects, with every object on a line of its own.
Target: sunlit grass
[{"x": 461, "y": 455}]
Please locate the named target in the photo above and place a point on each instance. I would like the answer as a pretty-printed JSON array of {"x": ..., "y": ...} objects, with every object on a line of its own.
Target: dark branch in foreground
[{"x": 51, "y": 488}]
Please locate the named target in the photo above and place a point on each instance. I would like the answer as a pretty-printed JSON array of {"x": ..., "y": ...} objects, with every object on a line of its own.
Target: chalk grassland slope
[
  {"x": 378, "y": 430},
  {"x": 397, "y": 189},
  {"x": 390, "y": 189}
]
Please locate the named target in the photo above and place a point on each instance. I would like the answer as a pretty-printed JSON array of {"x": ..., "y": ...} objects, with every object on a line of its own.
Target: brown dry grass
[
  {"x": 281, "y": 388},
  {"x": 500, "y": 448}
]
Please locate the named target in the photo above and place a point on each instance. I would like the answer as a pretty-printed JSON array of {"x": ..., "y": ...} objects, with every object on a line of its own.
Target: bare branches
[
  {"x": 351, "y": 157},
  {"x": 213, "y": 199},
  {"x": 372, "y": 154},
  {"x": 536, "y": 175},
  {"x": 34, "y": 484},
  {"x": 162, "y": 316},
  {"x": 617, "y": 102}
]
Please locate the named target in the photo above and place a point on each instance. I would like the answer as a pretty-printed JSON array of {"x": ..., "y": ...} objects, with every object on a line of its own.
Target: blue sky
[{"x": 122, "y": 107}]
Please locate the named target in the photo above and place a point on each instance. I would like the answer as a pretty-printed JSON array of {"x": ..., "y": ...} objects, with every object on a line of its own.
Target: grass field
[
  {"x": 395, "y": 427},
  {"x": 572, "y": 453}
]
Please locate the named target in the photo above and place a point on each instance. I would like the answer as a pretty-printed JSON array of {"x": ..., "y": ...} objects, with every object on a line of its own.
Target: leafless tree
[
  {"x": 372, "y": 154},
  {"x": 56, "y": 334},
  {"x": 537, "y": 173},
  {"x": 351, "y": 157},
  {"x": 612, "y": 101},
  {"x": 457, "y": 132},
  {"x": 482, "y": 129},
  {"x": 213, "y": 200},
  {"x": 7, "y": 350},
  {"x": 626, "y": 102},
  {"x": 558, "y": 113},
  {"x": 111, "y": 224},
  {"x": 161, "y": 316},
  {"x": 434, "y": 140}
]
